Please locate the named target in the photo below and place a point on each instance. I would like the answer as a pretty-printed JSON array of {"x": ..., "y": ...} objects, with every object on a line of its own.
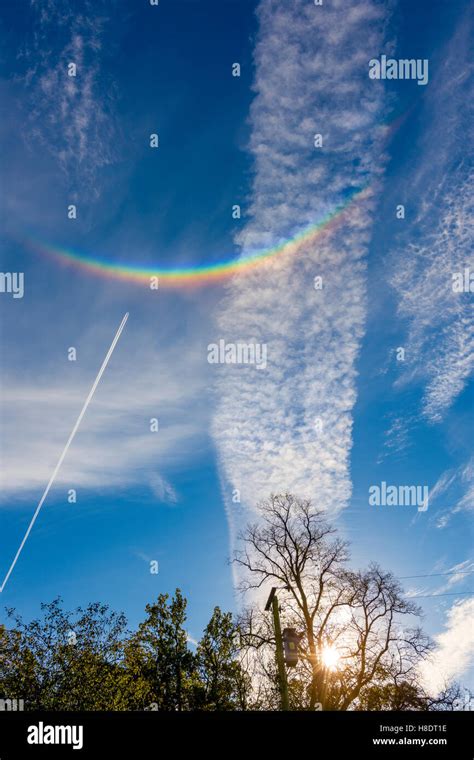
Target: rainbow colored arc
[{"x": 202, "y": 274}]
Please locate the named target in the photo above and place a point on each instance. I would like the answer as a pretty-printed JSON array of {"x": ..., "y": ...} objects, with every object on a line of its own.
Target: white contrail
[{"x": 65, "y": 450}]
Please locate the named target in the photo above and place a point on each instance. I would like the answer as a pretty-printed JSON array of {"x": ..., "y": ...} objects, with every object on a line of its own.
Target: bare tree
[{"x": 353, "y": 644}]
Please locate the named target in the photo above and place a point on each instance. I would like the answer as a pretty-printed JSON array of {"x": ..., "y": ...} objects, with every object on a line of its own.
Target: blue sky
[{"x": 332, "y": 353}]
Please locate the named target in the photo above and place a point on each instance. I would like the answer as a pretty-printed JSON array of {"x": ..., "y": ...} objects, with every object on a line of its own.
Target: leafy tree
[
  {"x": 222, "y": 683},
  {"x": 158, "y": 655},
  {"x": 86, "y": 660},
  {"x": 64, "y": 661}
]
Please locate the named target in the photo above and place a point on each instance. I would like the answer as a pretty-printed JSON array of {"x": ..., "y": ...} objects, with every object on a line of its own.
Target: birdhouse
[{"x": 290, "y": 646}]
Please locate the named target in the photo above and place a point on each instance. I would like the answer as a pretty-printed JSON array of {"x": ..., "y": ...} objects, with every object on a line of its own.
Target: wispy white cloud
[
  {"x": 115, "y": 446},
  {"x": 397, "y": 438},
  {"x": 191, "y": 640},
  {"x": 290, "y": 426},
  {"x": 454, "y": 649},
  {"x": 450, "y": 577},
  {"x": 70, "y": 116},
  {"x": 463, "y": 479},
  {"x": 162, "y": 489},
  {"x": 442, "y": 485},
  {"x": 440, "y": 341},
  {"x": 458, "y": 573}
]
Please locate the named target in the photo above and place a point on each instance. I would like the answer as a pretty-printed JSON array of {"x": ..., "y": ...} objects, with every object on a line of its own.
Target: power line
[
  {"x": 433, "y": 575},
  {"x": 451, "y": 593}
]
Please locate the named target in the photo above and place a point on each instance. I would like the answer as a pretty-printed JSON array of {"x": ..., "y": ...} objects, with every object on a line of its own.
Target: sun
[{"x": 330, "y": 657}]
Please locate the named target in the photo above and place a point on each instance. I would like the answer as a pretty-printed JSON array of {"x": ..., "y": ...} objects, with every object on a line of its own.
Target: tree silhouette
[{"x": 360, "y": 639}]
